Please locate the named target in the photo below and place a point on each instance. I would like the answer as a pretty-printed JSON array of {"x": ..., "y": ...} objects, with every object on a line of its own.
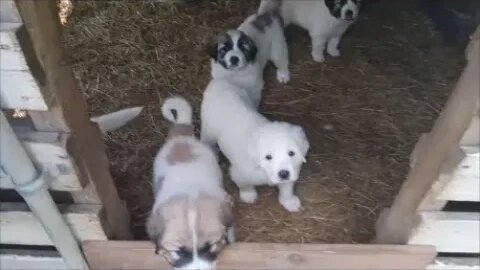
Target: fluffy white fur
[
  {"x": 191, "y": 206},
  {"x": 325, "y": 30},
  {"x": 246, "y": 138},
  {"x": 271, "y": 46}
]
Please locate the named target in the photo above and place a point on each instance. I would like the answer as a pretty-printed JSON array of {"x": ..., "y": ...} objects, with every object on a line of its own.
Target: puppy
[
  {"x": 191, "y": 219},
  {"x": 241, "y": 55},
  {"x": 325, "y": 20},
  {"x": 261, "y": 152}
]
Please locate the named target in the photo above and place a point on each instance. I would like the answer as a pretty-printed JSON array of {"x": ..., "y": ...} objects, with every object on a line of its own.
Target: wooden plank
[
  {"x": 19, "y": 90},
  {"x": 140, "y": 255},
  {"x": 448, "y": 231},
  {"x": 455, "y": 263},
  {"x": 12, "y": 54},
  {"x": 432, "y": 200},
  {"x": 31, "y": 260},
  {"x": 18, "y": 87},
  {"x": 21, "y": 227},
  {"x": 9, "y": 12},
  {"x": 445, "y": 136},
  {"x": 471, "y": 137},
  {"x": 464, "y": 184},
  {"x": 48, "y": 151},
  {"x": 42, "y": 23}
]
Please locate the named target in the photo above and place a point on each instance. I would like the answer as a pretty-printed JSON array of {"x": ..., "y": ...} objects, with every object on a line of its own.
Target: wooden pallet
[
  {"x": 57, "y": 134},
  {"x": 445, "y": 168}
]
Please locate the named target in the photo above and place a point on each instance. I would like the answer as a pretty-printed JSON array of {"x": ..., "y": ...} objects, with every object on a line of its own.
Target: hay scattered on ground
[{"x": 363, "y": 112}]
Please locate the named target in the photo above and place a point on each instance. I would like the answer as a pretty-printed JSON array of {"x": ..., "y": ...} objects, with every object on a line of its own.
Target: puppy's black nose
[
  {"x": 234, "y": 60},
  {"x": 349, "y": 14},
  {"x": 284, "y": 174}
]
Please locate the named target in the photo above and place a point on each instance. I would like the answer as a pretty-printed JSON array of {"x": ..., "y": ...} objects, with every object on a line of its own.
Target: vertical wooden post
[
  {"x": 395, "y": 224},
  {"x": 68, "y": 111}
]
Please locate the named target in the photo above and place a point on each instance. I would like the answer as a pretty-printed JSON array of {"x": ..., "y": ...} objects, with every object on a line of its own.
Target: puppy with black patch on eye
[
  {"x": 260, "y": 151},
  {"x": 191, "y": 219},
  {"x": 241, "y": 55},
  {"x": 325, "y": 20}
]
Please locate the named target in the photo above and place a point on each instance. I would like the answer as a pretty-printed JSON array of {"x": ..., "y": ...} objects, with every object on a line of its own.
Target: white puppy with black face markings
[
  {"x": 241, "y": 55},
  {"x": 191, "y": 220},
  {"x": 261, "y": 152},
  {"x": 325, "y": 20}
]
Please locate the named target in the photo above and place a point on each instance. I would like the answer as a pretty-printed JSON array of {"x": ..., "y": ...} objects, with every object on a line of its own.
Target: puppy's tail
[
  {"x": 177, "y": 110},
  {"x": 268, "y": 6}
]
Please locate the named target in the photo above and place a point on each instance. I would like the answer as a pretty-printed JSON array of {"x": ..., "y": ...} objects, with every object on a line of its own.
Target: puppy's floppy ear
[
  {"x": 155, "y": 227},
  {"x": 251, "y": 53},
  {"x": 300, "y": 139},
  {"x": 330, "y": 3},
  {"x": 212, "y": 51},
  {"x": 226, "y": 211}
]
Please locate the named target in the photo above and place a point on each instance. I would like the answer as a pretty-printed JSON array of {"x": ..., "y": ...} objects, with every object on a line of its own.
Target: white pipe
[{"x": 31, "y": 185}]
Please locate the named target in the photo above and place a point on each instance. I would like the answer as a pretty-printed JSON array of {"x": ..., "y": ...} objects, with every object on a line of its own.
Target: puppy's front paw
[
  {"x": 248, "y": 196},
  {"x": 283, "y": 76},
  {"x": 333, "y": 52},
  {"x": 292, "y": 204},
  {"x": 318, "y": 56}
]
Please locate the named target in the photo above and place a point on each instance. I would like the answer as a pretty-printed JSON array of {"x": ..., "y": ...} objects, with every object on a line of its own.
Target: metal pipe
[{"x": 32, "y": 186}]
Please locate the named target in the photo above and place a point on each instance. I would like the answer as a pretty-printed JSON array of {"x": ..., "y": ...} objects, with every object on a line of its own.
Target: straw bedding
[{"x": 363, "y": 112}]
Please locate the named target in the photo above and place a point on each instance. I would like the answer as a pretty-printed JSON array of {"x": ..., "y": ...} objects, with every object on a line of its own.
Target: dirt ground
[{"x": 362, "y": 112}]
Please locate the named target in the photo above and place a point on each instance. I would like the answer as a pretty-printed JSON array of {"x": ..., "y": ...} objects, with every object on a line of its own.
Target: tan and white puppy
[
  {"x": 241, "y": 55},
  {"x": 261, "y": 152},
  {"x": 191, "y": 219},
  {"x": 325, "y": 20}
]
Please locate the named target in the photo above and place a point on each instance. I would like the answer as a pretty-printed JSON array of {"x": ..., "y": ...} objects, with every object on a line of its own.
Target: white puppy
[
  {"x": 325, "y": 20},
  {"x": 261, "y": 152},
  {"x": 241, "y": 55},
  {"x": 191, "y": 219}
]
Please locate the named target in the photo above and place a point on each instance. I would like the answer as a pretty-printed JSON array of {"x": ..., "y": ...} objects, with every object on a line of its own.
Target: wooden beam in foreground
[{"x": 140, "y": 255}]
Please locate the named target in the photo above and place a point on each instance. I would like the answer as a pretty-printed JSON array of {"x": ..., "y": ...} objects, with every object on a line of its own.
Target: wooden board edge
[
  {"x": 20, "y": 226},
  {"x": 450, "y": 232},
  {"x": 455, "y": 263},
  {"x": 49, "y": 152},
  {"x": 31, "y": 260},
  {"x": 140, "y": 254}
]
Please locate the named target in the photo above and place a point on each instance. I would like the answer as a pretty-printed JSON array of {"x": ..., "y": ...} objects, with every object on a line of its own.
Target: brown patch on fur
[
  {"x": 266, "y": 19},
  {"x": 262, "y": 21},
  {"x": 181, "y": 152},
  {"x": 155, "y": 227},
  {"x": 181, "y": 130},
  {"x": 168, "y": 225}
]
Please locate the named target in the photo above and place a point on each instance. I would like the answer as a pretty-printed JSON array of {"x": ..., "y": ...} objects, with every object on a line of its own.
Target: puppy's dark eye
[
  {"x": 268, "y": 157},
  {"x": 291, "y": 153}
]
